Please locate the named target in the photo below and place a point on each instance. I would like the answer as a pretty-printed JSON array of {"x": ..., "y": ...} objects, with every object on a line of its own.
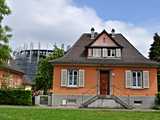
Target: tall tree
[
  {"x": 44, "y": 76},
  {"x": 4, "y": 35},
  {"x": 154, "y": 54}
]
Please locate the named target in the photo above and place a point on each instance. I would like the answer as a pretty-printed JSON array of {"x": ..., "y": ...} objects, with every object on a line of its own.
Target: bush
[
  {"x": 15, "y": 97},
  {"x": 158, "y": 99}
]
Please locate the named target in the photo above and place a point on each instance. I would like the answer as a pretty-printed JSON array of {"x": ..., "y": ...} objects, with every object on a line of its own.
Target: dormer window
[
  {"x": 96, "y": 52},
  {"x": 104, "y": 52}
]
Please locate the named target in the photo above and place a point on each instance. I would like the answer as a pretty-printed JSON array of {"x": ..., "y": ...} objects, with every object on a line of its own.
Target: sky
[{"x": 64, "y": 21}]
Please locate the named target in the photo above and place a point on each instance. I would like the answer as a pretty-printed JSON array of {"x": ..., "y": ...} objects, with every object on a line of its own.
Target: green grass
[{"x": 7, "y": 113}]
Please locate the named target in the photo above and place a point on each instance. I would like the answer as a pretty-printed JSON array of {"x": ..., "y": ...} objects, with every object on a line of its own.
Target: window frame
[
  {"x": 97, "y": 52},
  {"x": 72, "y": 78},
  {"x": 136, "y": 79},
  {"x": 111, "y": 52},
  {"x": 102, "y": 52}
]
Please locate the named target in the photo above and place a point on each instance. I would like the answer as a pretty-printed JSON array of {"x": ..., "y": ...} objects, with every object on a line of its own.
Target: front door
[{"x": 104, "y": 83}]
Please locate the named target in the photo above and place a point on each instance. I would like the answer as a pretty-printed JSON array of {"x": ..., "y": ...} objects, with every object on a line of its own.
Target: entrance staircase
[{"x": 105, "y": 101}]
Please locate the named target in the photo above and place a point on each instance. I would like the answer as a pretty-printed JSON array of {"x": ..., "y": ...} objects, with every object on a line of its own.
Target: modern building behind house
[
  {"x": 27, "y": 60},
  {"x": 104, "y": 70}
]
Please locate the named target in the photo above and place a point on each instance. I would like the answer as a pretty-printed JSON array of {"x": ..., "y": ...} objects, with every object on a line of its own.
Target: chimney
[
  {"x": 92, "y": 33},
  {"x": 113, "y": 32}
]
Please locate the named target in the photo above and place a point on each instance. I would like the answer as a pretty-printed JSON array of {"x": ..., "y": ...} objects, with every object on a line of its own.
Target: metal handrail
[{"x": 119, "y": 89}]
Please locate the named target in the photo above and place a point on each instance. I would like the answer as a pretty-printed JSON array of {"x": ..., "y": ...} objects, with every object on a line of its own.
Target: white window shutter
[
  {"x": 81, "y": 78},
  {"x": 99, "y": 52},
  {"x": 145, "y": 79},
  {"x": 89, "y": 52},
  {"x": 64, "y": 77},
  {"x": 118, "y": 52},
  {"x": 128, "y": 77}
]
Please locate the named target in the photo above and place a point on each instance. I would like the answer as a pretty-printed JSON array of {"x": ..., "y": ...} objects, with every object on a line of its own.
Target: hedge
[{"x": 15, "y": 97}]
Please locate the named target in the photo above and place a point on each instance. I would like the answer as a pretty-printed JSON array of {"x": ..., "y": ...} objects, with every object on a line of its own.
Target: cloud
[{"x": 61, "y": 21}]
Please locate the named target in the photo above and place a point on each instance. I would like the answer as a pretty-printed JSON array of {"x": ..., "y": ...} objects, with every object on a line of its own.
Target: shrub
[
  {"x": 158, "y": 99},
  {"x": 15, "y": 97}
]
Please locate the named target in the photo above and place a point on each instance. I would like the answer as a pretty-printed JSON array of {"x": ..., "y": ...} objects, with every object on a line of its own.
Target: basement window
[
  {"x": 71, "y": 101},
  {"x": 137, "y": 102}
]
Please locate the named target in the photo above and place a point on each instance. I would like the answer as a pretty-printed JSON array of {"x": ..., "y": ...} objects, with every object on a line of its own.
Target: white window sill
[
  {"x": 103, "y": 57},
  {"x": 72, "y": 86},
  {"x": 136, "y": 87}
]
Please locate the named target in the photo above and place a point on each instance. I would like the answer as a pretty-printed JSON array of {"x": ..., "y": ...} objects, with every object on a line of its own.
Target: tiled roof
[
  {"x": 77, "y": 54},
  {"x": 11, "y": 68}
]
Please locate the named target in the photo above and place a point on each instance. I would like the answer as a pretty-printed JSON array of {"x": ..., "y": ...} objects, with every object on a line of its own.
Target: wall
[
  {"x": 117, "y": 82},
  {"x": 16, "y": 78},
  {"x": 104, "y": 40},
  {"x": 90, "y": 82}
]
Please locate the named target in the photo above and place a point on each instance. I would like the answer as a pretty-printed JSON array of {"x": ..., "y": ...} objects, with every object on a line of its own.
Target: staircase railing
[
  {"x": 117, "y": 91},
  {"x": 89, "y": 91}
]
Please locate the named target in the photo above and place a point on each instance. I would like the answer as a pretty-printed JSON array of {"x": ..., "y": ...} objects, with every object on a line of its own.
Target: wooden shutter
[
  {"x": 89, "y": 52},
  {"x": 128, "y": 77},
  {"x": 64, "y": 77},
  {"x": 98, "y": 52},
  {"x": 81, "y": 78},
  {"x": 118, "y": 52},
  {"x": 145, "y": 79}
]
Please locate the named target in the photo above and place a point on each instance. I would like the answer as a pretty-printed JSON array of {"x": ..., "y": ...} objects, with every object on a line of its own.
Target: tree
[
  {"x": 154, "y": 53},
  {"x": 4, "y": 35},
  {"x": 44, "y": 76},
  {"x": 6, "y": 81}
]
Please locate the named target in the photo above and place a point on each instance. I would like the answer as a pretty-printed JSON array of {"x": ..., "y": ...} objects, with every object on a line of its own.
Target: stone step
[{"x": 104, "y": 101}]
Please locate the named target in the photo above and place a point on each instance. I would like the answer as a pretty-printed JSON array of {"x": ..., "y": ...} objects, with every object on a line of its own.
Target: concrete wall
[{"x": 62, "y": 100}]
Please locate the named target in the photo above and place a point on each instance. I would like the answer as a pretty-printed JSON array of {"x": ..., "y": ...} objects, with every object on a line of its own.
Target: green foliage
[
  {"x": 158, "y": 99},
  {"x": 154, "y": 53},
  {"x": 5, "y": 81},
  {"x": 158, "y": 77},
  {"x": 44, "y": 76},
  {"x": 15, "y": 97},
  {"x": 4, "y": 35}
]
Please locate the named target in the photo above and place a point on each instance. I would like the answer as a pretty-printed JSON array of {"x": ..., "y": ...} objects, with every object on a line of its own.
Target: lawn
[{"x": 7, "y": 113}]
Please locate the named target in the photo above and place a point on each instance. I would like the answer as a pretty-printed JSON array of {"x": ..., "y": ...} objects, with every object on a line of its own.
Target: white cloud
[{"x": 60, "y": 21}]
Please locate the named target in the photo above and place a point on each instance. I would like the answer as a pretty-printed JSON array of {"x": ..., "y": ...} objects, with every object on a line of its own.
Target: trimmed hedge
[{"x": 15, "y": 97}]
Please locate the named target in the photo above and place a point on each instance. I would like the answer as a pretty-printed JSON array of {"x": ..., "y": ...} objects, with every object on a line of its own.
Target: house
[
  {"x": 10, "y": 77},
  {"x": 104, "y": 70}
]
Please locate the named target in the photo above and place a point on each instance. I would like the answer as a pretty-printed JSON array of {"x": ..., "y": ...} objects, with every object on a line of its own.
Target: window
[
  {"x": 71, "y": 101},
  {"x": 72, "y": 78},
  {"x": 96, "y": 52},
  {"x": 111, "y": 52},
  {"x": 137, "y": 102},
  {"x": 137, "y": 79},
  {"x": 104, "y": 52}
]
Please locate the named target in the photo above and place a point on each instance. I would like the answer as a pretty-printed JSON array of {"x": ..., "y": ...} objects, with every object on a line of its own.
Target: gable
[{"x": 104, "y": 40}]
